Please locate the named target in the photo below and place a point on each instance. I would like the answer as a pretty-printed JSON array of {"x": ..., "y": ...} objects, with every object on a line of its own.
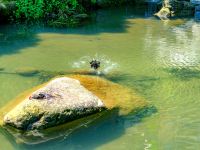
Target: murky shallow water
[{"x": 161, "y": 60}]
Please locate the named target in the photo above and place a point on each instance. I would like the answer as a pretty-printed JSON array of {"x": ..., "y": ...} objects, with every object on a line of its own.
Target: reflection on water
[
  {"x": 179, "y": 48},
  {"x": 160, "y": 60}
]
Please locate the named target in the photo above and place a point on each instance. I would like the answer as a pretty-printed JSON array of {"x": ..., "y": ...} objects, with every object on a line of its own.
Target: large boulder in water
[
  {"x": 61, "y": 100},
  {"x": 120, "y": 101}
]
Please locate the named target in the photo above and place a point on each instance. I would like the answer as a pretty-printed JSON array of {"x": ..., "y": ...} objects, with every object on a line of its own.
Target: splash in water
[
  {"x": 95, "y": 64},
  {"x": 100, "y": 64}
]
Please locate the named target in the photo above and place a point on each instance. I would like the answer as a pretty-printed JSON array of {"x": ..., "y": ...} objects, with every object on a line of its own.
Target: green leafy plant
[
  {"x": 54, "y": 11},
  {"x": 29, "y": 9},
  {"x": 60, "y": 13},
  {"x": 57, "y": 12}
]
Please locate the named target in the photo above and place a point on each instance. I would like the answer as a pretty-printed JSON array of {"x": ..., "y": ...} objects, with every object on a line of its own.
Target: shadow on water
[
  {"x": 184, "y": 73},
  {"x": 42, "y": 75},
  {"x": 16, "y": 37},
  {"x": 94, "y": 134},
  {"x": 139, "y": 83}
]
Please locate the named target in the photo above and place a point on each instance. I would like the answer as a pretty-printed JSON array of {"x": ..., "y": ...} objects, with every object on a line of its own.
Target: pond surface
[{"x": 160, "y": 60}]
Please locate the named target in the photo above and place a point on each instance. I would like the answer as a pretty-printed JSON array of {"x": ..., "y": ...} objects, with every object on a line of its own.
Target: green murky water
[{"x": 161, "y": 60}]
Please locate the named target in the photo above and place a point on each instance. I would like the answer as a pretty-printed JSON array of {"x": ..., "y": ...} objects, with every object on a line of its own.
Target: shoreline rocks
[{"x": 175, "y": 8}]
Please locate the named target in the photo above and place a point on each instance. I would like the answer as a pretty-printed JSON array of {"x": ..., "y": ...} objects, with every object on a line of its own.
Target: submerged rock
[{"x": 61, "y": 100}]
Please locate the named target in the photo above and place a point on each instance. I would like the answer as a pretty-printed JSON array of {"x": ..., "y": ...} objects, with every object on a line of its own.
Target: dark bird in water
[{"x": 95, "y": 64}]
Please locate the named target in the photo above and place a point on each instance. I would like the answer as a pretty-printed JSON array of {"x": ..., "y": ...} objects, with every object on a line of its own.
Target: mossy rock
[{"x": 114, "y": 97}]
